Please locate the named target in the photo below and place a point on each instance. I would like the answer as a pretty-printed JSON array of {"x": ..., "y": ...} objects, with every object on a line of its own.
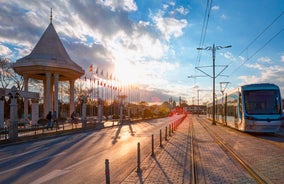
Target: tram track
[
  {"x": 264, "y": 137},
  {"x": 257, "y": 177},
  {"x": 194, "y": 177}
]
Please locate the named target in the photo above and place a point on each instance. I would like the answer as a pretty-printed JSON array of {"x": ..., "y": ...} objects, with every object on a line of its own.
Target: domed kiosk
[{"x": 50, "y": 63}]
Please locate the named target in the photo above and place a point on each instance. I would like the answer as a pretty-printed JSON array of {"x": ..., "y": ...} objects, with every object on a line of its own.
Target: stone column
[
  {"x": 1, "y": 112},
  {"x": 35, "y": 112},
  {"x": 26, "y": 100},
  {"x": 13, "y": 128},
  {"x": 51, "y": 92},
  {"x": 55, "y": 99},
  {"x": 47, "y": 94},
  {"x": 72, "y": 96}
]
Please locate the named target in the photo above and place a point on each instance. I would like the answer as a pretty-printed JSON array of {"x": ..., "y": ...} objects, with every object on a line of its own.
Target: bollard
[
  {"x": 166, "y": 134},
  {"x": 107, "y": 171},
  {"x": 170, "y": 130},
  {"x": 161, "y": 145},
  {"x": 153, "y": 153},
  {"x": 138, "y": 158}
]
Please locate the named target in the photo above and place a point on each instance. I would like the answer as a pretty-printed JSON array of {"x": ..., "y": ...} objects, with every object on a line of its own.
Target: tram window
[{"x": 262, "y": 102}]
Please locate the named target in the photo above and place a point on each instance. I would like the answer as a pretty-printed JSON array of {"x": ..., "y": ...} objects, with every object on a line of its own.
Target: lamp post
[{"x": 213, "y": 49}]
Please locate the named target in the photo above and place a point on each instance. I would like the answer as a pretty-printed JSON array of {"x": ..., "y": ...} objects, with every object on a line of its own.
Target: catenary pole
[{"x": 213, "y": 49}]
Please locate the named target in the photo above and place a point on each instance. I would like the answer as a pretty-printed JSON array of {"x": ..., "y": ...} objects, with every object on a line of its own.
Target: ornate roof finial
[{"x": 50, "y": 15}]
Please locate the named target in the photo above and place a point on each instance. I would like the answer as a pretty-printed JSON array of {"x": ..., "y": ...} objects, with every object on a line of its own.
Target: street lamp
[{"x": 214, "y": 48}]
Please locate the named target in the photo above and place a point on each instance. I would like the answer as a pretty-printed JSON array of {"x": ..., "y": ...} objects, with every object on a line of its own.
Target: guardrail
[{"x": 64, "y": 126}]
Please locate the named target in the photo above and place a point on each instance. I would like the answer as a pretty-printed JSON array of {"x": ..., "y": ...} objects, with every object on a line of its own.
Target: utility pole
[
  {"x": 213, "y": 49},
  {"x": 225, "y": 86},
  {"x": 222, "y": 89},
  {"x": 199, "y": 90}
]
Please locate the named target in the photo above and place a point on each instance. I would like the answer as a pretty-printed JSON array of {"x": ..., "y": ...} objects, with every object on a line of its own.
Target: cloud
[
  {"x": 4, "y": 51},
  {"x": 170, "y": 26},
  {"x": 182, "y": 10},
  {"x": 282, "y": 58},
  {"x": 126, "y": 5},
  {"x": 229, "y": 55},
  {"x": 270, "y": 74},
  {"x": 223, "y": 16},
  {"x": 264, "y": 60},
  {"x": 215, "y": 8}
]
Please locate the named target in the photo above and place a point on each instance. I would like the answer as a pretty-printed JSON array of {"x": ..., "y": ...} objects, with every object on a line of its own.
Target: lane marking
[
  {"x": 24, "y": 153},
  {"x": 30, "y": 163},
  {"x": 49, "y": 176}
]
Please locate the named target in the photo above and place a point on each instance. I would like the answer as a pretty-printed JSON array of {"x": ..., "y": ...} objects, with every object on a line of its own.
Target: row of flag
[
  {"x": 108, "y": 84},
  {"x": 111, "y": 82},
  {"x": 110, "y": 77}
]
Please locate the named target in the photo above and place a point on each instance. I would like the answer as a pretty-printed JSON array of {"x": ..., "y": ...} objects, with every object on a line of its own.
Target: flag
[
  {"x": 102, "y": 72},
  {"x": 91, "y": 68}
]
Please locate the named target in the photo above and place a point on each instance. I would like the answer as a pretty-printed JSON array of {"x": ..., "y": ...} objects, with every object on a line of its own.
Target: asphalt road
[{"x": 80, "y": 158}]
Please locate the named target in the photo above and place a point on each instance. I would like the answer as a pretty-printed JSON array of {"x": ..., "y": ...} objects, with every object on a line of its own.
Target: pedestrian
[
  {"x": 55, "y": 122},
  {"x": 73, "y": 116},
  {"x": 49, "y": 117}
]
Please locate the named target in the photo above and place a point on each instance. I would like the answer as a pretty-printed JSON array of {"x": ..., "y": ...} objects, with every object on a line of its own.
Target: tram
[{"x": 250, "y": 108}]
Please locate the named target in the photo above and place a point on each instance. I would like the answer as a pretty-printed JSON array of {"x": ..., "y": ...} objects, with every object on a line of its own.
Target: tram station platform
[{"x": 174, "y": 162}]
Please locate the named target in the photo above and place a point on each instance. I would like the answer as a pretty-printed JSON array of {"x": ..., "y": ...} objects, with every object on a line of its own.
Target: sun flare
[{"x": 128, "y": 73}]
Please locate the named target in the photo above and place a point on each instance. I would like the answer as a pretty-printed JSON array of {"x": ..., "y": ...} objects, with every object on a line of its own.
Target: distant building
[{"x": 196, "y": 109}]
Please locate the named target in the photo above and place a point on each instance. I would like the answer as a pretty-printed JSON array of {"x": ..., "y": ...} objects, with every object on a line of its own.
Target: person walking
[
  {"x": 49, "y": 117},
  {"x": 54, "y": 117}
]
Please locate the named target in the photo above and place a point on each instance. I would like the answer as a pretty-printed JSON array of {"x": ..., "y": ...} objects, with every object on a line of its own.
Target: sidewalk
[{"x": 171, "y": 163}]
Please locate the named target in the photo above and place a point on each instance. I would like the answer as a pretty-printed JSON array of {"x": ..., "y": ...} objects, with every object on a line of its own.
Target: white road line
[
  {"x": 30, "y": 163},
  {"x": 50, "y": 176},
  {"x": 24, "y": 153}
]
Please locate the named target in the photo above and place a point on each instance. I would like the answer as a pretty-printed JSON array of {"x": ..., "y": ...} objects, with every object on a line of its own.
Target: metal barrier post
[
  {"x": 166, "y": 134},
  {"x": 161, "y": 145},
  {"x": 107, "y": 171},
  {"x": 153, "y": 153},
  {"x": 138, "y": 158}
]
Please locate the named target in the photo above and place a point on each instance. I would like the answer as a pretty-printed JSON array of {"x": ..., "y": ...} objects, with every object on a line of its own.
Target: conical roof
[{"x": 49, "y": 55}]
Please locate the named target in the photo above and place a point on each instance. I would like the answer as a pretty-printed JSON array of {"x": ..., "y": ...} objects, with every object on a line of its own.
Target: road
[{"x": 80, "y": 158}]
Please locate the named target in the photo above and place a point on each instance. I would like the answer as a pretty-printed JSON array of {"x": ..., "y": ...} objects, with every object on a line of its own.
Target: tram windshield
[{"x": 262, "y": 102}]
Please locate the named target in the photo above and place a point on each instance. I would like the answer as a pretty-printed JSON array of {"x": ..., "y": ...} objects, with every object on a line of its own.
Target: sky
[{"x": 153, "y": 43}]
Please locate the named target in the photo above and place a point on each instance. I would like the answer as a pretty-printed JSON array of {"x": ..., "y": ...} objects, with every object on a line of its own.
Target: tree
[{"x": 8, "y": 77}]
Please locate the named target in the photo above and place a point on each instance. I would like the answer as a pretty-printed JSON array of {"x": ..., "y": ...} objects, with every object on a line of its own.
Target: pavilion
[{"x": 50, "y": 63}]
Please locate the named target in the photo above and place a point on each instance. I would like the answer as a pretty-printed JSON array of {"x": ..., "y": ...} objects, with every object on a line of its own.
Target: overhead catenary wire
[
  {"x": 255, "y": 39},
  {"x": 262, "y": 32},
  {"x": 204, "y": 30},
  {"x": 266, "y": 43}
]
